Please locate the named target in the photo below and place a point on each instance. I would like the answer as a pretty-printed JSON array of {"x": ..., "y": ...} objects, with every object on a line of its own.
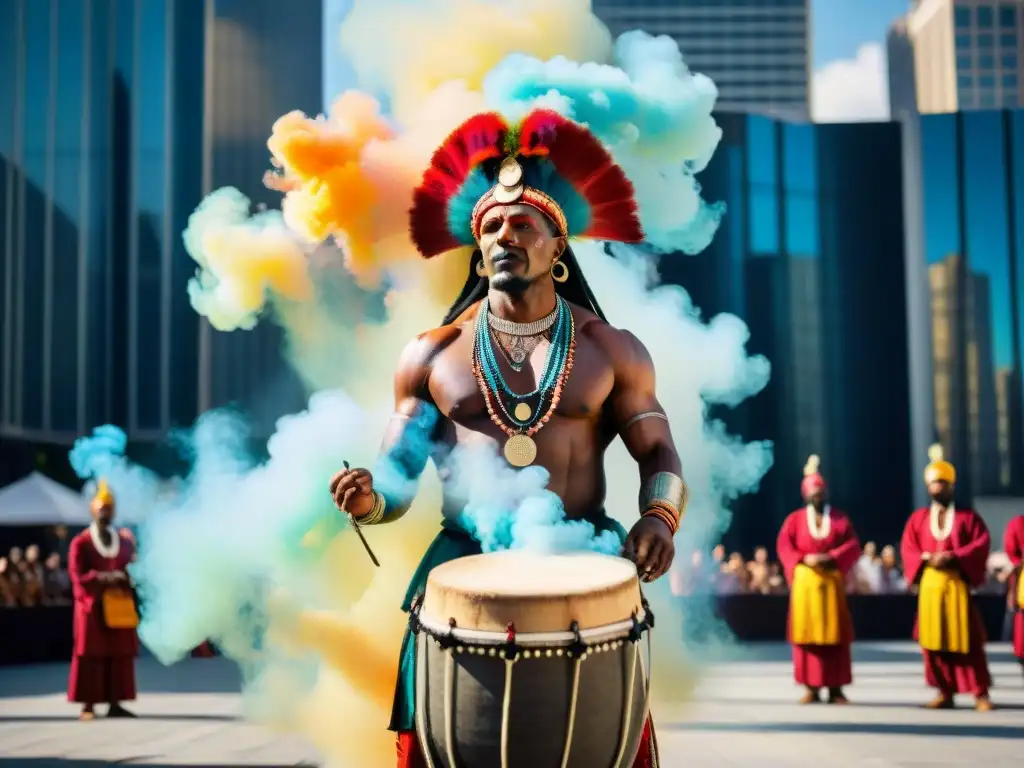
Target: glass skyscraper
[
  {"x": 118, "y": 116},
  {"x": 970, "y": 190},
  {"x": 756, "y": 51},
  {"x": 810, "y": 255}
]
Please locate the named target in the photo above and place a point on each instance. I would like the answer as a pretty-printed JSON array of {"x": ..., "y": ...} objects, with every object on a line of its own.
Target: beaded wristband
[{"x": 665, "y": 515}]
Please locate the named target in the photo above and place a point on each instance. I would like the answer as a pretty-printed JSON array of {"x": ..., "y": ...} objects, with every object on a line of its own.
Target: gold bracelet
[
  {"x": 665, "y": 489},
  {"x": 377, "y": 511}
]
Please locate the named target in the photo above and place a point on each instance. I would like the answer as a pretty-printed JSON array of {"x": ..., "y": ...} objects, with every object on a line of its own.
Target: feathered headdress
[
  {"x": 547, "y": 161},
  {"x": 813, "y": 480},
  {"x": 938, "y": 468}
]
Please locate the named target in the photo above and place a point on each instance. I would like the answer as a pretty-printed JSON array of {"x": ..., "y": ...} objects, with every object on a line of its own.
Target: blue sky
[{"x": 840, "y": 27}]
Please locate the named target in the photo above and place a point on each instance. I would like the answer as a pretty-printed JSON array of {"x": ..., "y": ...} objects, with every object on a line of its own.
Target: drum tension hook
[
  {"x": 511, "y": 648},
  {"x": 637, "y": 631},
  {"x": 648, "y": 613},
  {"x": 447, "y": 640},
  {"x": 577, "y": 648},
  {"x": 415, "y": 625}
]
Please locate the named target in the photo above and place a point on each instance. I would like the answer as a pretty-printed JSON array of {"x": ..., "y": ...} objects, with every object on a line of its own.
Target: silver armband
[
  {"x": 641, "y": 416},
  {"x": 666, "y": 490}
]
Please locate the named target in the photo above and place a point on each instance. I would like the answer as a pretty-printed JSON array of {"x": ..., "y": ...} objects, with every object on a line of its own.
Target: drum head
[{"x": 536, "y": 592}]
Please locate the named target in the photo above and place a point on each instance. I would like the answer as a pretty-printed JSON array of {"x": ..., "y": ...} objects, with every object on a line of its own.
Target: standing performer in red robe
[
  {"x": 105, "y": 641},
  {"x": 1013, "y": 545},
  {"x": 818, "y": 546},
  {"x": 945, "y": 549}
]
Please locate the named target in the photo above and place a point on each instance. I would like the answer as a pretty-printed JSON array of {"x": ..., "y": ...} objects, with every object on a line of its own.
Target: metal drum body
[{"x": 570, "y": 698}]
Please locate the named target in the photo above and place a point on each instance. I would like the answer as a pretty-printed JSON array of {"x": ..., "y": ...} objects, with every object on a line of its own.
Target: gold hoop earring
[
  {"x": 559, "y": 275},
  {"x": 481, "y": 269}
]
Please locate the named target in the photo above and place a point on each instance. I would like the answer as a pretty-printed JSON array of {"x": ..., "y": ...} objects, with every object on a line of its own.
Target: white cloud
[{"x": 849, "y": 90}]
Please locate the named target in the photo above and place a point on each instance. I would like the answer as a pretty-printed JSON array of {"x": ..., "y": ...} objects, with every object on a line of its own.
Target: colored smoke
[{"x": 250, "y": 552}]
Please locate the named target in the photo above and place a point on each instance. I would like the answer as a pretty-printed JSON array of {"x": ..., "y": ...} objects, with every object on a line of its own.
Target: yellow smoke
[{"x": 348, "y": 177}]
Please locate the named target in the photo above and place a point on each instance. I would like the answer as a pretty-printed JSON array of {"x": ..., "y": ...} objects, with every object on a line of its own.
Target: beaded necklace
[{"x": 521, "y": 421}]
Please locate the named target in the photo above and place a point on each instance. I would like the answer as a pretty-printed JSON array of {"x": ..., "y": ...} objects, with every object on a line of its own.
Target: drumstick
[{"x": 358, "y": 528}]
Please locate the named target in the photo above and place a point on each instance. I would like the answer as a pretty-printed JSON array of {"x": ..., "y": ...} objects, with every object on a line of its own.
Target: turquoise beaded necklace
[{"x": 554, "y": 365}]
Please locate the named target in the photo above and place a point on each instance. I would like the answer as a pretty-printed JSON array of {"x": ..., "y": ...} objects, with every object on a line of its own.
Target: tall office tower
[
  {"x": 756, "y": 51},
  {"x": 902, "y": 83},
  {"x": 966, "y": 54},
  {"x": 265, "y": 59},
  {"x": 118, "y": 116}
]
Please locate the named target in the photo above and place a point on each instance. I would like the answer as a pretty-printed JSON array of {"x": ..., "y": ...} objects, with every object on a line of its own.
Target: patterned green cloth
[{"x": 451, "y": 543}]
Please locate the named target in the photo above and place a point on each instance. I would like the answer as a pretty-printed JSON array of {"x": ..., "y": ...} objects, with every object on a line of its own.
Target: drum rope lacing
[{"x": 447, "y": 639}]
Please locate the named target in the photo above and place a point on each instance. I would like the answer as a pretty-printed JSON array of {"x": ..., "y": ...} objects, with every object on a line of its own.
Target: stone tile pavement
[{"x": 744, "y": 715}]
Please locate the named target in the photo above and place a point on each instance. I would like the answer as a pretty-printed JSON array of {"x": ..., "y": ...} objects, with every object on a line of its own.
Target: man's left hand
[{"x": 650, "y": 546}]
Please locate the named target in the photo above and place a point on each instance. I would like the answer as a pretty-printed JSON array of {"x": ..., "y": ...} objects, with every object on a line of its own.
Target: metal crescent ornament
[
  {"x": 506, "y": 195},
  {"x": 510, "y": 174}
]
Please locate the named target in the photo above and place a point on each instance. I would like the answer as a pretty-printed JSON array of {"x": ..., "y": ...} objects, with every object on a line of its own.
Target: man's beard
[{"x": 510, "y": 284}]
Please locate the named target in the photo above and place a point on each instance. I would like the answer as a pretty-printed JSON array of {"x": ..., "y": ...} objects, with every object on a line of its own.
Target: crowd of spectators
[
  {"x": 876, "y": 573},
  {"x": 27, "y": 579}
]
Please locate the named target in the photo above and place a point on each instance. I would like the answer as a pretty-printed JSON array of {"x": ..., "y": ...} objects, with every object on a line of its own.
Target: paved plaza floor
[{"x": 744, "y": 715}]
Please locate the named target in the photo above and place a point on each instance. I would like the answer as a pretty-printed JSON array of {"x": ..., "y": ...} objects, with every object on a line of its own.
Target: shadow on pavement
[
  {"x": 942, "y": 730},
  {"x": 72, "y": 716},
  {"x": 216, "y": 675}
]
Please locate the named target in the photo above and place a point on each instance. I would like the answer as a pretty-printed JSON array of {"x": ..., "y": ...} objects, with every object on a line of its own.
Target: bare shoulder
[
  {"x": 622, "y": 347},
  {"x": 412, "y": 374}
]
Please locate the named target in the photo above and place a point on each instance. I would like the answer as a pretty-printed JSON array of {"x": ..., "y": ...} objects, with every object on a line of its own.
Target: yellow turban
[
  {"x": 103, "y": 495},
  {"x": 939, "y": 469}
]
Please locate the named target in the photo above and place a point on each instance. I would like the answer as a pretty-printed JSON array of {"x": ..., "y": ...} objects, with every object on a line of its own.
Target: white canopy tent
[{"x": 38, "y": 500}]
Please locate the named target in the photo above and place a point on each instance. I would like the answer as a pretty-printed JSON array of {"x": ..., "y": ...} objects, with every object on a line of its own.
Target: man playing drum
[{"x": 525, "y": 322}]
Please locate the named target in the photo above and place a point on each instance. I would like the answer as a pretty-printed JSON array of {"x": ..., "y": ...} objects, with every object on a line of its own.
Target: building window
[
  {"x": 963, "y": 41},
  {"x": 965, "y": 81},
  {"x": 986, "y": 61},
  {"x": 1009, "y": 61},
  {"x": 986, "y": 18},
  {"x": 987, "y": 100},
  {"x": 986, "y": 41},
  {"x": 1007, "y": 16},
  {"x": 1010, "y": 81},
  {"x": 1010, "y": 100},
  {"x": 963, "y": 18},
  {"x": 987, "y": 81},
  {"x": 963, "y": 62},
  {"x": 1008, "y": 41}
]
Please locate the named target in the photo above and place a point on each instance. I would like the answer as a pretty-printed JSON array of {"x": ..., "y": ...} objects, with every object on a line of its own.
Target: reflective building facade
[
  {"x": 756, "y": 51},
  {"x": 811, "y": 256},
  {"x": 969, "y": 188},
  {"x": 119, "y": 115}
]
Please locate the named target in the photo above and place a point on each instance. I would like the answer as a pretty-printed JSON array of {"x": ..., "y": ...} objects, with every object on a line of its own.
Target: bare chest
[{"x": 456, "y": 391}]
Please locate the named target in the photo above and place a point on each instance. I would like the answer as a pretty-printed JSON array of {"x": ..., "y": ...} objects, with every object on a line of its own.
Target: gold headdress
[
  {"x": 103, "y": 495},
  {"x": 939, "y": 468}
]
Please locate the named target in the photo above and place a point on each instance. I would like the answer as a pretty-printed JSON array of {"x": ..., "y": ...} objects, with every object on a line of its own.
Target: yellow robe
[
  {"x": 816, "y": 605},
  {"x": 944, "y": 611}
]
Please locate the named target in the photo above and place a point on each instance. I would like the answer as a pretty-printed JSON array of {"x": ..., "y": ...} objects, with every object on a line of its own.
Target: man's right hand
[
  {"x": 352, "y": 491},
  {"x": 812, "y": 560}
]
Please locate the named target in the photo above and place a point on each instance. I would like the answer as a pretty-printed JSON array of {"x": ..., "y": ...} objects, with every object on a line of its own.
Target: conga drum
[{"x": 532, "y": 661}]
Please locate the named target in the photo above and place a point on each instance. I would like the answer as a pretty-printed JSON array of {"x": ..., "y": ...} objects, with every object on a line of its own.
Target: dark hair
[{"x": 575, "y": 289}]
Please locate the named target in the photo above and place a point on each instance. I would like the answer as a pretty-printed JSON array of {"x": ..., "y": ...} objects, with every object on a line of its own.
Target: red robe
[
  {"x": 1013, "y": 545},
  {"x": 970, "y": 543},
  {"x": 411, "y": 756},
  {"x": 103, "y": 660},
  {"x": 820, "y": 666}
]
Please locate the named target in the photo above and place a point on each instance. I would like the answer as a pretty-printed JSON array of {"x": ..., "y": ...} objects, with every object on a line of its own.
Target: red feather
[
  {"x": 582, "y": 161},
  {"x": 476, "y": 140}
]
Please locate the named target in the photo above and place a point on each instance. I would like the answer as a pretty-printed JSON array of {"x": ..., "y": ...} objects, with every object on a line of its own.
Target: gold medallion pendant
[
  {"x": 520, "y": 450},
  {"x": 522, "y": 412}
]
